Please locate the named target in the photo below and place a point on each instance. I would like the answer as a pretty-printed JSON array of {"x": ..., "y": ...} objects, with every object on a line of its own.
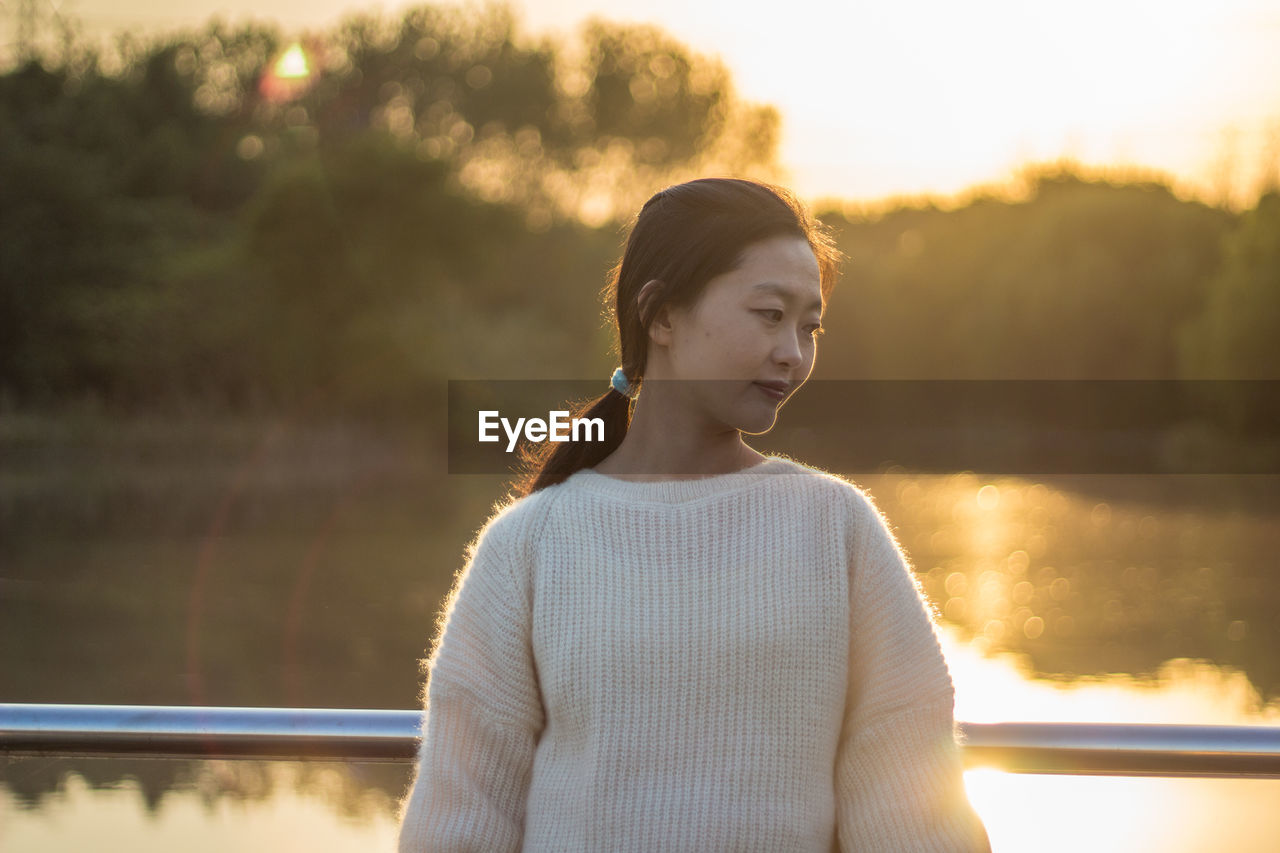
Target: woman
[{"x": 667, "y": 641}]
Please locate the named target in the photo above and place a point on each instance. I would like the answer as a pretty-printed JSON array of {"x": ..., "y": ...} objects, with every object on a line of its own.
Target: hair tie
[{"x": 620, "y": 383}]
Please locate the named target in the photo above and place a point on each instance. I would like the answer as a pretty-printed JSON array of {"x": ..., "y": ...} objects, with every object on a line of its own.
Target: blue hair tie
[{"x": 620, "y": 383}]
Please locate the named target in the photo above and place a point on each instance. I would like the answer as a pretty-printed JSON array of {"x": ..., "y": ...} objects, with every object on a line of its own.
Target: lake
[{"x": 268, "y": 562}]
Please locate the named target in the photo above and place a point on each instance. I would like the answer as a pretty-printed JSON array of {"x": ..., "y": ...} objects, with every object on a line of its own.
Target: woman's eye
[
  {"x": 814, "y": 331},
  {"x": 773, "y": 314}
]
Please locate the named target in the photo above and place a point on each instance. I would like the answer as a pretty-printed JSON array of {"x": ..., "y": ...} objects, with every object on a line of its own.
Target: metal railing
[{"x": 166, "y": 731}]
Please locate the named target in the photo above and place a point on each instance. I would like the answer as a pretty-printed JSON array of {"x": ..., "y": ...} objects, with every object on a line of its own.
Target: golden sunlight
[
  {"x": 1104, "y": 813},
  {"x": 291, "y": 75},
  {"x": 292, "y": 64},
  {"x": 1025, "y": 572},
  {"x": 914, "y": 97},
  {"x": 924, "y": 96}
]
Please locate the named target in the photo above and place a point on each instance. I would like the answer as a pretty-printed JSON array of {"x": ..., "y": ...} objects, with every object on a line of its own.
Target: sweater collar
[{"x": 678, "y": 491}]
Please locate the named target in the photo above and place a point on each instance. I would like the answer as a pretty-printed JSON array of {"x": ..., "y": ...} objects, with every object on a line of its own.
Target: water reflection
[
  {"x": 207, "y": 805},
  {"x": 1105, "y": 814},
  {"x": 1002, "y": 687},
  {"x": 1111, "y": 575},
  {"x": 1108, "y": 813},
  {"x": 1093, "y": 599}
]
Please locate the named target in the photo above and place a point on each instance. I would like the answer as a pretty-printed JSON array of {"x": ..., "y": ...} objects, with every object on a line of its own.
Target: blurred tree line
[
  {"x": 230, "y": 219},
  {"x": 1079, "y": 278},
  {"x": 227, "y": 219},
  {"x": 1084, "y": 278}
]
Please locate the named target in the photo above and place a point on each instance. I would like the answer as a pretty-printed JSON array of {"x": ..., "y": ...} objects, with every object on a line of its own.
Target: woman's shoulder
[
  {"x": 518, "y": 519},
  {"x": 828, "y": 485}
]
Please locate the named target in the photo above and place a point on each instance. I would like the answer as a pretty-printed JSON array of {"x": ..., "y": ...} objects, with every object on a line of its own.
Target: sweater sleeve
[
  {"x": 899, "y": 775},
  {"x": 482, "y": 711}
]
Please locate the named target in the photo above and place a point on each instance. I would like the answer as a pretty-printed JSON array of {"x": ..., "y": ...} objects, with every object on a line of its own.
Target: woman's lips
[{"x": 772, "y": 393}]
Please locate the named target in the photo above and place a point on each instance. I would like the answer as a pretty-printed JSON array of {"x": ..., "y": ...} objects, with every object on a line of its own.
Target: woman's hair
[{"x": 684, "y": 236}]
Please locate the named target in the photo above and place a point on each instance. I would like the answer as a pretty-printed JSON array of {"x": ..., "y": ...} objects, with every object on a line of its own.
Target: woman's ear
[
  {"x": 660, "y": 328},
  {"x": 649, "y": 299}
]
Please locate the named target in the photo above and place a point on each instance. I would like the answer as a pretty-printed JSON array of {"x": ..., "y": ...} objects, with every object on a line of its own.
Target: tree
[
  {"x": 1238, "y": 334},
  {"x": 1084, "y": 279}
]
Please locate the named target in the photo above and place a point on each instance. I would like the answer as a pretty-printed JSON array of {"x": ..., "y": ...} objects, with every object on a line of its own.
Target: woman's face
[{"x": 752, "y": 327}]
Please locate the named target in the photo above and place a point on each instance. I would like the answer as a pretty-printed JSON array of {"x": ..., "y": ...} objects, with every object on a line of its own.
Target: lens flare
[
  {"x": 290, "y": 75},
  {"x": 292, "y": 65}
]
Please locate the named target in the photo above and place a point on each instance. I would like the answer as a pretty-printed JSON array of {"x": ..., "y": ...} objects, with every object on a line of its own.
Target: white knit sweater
[{"x": 741, "y": 662}]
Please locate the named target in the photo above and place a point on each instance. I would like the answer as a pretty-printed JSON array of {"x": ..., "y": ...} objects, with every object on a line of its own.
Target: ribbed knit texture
[{"x": 742, "y": 662}]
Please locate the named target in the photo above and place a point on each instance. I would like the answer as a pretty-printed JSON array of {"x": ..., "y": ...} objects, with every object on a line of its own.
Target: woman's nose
[{"x": 787, "y": 349}]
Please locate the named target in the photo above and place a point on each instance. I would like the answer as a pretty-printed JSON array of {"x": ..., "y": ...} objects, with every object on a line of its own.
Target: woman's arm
[
  {"x": 899, "y": 776},
  {"x": 483, "y": 711}
]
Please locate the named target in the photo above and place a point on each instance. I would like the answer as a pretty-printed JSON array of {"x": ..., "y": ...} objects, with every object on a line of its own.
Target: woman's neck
[{"x": 648, "y": 455}]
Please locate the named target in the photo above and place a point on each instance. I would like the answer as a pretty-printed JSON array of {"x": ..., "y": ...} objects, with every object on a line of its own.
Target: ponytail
[{"x": 547, "y": 463}]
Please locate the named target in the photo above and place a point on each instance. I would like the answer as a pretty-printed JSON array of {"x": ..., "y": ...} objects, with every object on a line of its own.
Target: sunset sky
[{"x": 920, "y": 96}]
